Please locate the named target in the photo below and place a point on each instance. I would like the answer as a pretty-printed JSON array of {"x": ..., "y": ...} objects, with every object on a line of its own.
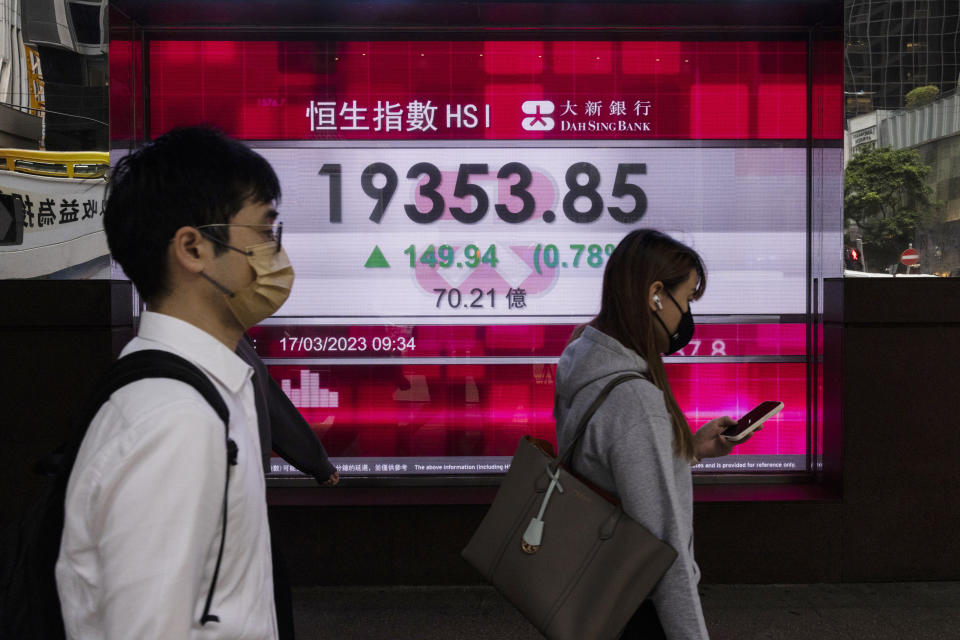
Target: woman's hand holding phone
[
  {"x": 718, "y": 437},
  {"x": 708, "y": 441},
  {"x": 753, "y": 421}
]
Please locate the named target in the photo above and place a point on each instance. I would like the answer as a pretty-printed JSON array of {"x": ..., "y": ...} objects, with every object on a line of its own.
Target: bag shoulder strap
[
  {"x": 139, "y": 365},
  {"x": 567, "y": 457},
  {"x": 156, "y": 363}
]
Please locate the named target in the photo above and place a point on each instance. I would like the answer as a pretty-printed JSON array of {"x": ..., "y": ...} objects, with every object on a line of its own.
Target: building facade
[{"x": 894, "y": 46}]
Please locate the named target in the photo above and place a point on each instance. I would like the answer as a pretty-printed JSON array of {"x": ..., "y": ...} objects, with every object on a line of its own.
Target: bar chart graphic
[{"x": 309, "y": 395}]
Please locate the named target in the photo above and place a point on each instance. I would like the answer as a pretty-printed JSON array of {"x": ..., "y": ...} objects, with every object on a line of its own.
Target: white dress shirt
[{"x": 144, "y": 506}]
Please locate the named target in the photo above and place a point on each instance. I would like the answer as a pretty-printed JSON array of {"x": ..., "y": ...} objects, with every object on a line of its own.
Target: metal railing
[{"x": 56, "y": 164}]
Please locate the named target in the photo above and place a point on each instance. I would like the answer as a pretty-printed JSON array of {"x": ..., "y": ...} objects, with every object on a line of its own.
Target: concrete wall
[
  {"x": 898, "y": 341},
  {"x": 19, "y": 129},
  {"x": 943, "y": 158},
  {"x": 56, "y": 339}
]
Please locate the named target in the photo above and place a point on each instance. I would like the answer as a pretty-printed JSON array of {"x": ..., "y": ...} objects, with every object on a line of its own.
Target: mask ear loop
[
  {"x": 663, "y": 324},
  {"x": 656, "y": 301},
  {"x": 677, "y": 304},
  {"x": 219, "y": 286},
  {"x": 223, "y": 289}
]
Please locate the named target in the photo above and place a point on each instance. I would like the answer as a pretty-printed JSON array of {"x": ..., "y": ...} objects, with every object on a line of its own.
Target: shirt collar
[{"x": 197, "y": 346}]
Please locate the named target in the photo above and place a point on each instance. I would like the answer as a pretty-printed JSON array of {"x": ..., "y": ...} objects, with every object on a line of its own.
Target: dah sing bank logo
[
  {"x": 537, "y": 110},
  {"x": 617, "y": 116}
]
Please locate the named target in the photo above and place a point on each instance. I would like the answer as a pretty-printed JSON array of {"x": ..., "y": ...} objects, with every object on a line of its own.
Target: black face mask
[{"x": 684, "y": 333}]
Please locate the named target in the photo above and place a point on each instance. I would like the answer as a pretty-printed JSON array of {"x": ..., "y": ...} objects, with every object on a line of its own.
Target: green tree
[
  {"x": 885, "y": 194},
  {"x": 921, "y": 96}
]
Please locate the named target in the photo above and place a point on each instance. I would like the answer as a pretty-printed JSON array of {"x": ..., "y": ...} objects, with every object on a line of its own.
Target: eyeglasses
[{"x": 272, "y": 232}]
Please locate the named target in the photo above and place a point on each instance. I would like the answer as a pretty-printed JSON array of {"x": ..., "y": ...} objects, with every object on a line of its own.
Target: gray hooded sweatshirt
[{"x": 627, "y": 449}]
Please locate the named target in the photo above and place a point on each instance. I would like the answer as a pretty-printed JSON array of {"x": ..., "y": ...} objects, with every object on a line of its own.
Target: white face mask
[{"x": 269, "y": 290}]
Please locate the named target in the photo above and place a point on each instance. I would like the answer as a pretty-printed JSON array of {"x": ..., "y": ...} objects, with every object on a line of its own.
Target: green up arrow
[{"x": 376, "y": 260}]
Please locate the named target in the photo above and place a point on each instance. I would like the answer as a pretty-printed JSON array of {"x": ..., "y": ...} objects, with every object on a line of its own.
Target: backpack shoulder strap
[
  {"x": 156, "y": 363},
  {"x": 139, "y": 365},
  {"x": 29, "y": 605}
]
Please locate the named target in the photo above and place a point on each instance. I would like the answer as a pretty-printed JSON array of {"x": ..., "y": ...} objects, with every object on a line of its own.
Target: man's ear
[
  {"x": 654, "y": 295},
  {"x": 190, "y": 250}
]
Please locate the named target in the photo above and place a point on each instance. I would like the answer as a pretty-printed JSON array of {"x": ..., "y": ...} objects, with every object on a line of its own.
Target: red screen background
[{"x": 696, "y": 91}]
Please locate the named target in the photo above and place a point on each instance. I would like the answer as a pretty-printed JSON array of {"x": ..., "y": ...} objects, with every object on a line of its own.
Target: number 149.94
[{"x": 445, "y": 256}]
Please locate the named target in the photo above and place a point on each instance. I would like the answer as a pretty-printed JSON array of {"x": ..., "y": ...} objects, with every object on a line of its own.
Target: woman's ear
[
  {"x": 653, "y": 296},
  {"x": 190, "y": 250}
]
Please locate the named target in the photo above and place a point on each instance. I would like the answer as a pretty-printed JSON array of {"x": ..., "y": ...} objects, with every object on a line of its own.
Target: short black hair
[{"x": 190, "y": 176}]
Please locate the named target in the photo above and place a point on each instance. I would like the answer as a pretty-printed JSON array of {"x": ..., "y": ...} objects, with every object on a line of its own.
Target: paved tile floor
[{"x": 900, "y": 611}]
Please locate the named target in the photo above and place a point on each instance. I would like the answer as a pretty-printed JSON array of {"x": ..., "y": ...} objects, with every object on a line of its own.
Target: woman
[{"x": 638, "y": 445}]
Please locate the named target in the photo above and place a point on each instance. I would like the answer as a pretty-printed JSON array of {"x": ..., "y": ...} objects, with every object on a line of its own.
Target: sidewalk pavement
[{"x": 895, "y": 611}]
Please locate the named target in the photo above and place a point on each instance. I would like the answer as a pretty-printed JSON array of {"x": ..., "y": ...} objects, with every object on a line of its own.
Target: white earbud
[{"x": 656, "y": 301}]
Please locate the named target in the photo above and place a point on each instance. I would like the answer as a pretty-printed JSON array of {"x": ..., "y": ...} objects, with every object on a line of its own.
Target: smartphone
[{"x": 753, "y": 420}]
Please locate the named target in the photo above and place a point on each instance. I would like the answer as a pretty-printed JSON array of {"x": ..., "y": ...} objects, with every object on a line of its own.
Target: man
[{"x": 191, "y": 219}]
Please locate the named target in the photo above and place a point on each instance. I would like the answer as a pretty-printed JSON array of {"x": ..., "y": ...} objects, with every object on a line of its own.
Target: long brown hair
[{"x": 643, "y": 257}]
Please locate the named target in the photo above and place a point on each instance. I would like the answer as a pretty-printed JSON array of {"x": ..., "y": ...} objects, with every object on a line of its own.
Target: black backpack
[{"x": 29, "y": 605}]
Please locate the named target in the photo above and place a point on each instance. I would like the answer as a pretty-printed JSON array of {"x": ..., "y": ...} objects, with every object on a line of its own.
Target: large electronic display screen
[{"x": 449, "y": 206}]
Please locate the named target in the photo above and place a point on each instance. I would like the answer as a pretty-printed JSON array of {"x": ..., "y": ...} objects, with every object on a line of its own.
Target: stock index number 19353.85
[{"x": 586, "y": 196}]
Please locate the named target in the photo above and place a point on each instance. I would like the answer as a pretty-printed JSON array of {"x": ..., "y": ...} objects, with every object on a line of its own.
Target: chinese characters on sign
[
  {"x": 390, "y": 467},
  {"x": 427, "y": 117},
  {"x": 393, "y": 116},
  {"x": 516, "y": 299},
  {"x": 43, "y": 212},
  {"x": 592, "y": 115},
  {"x": 354, "y": 468}
]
